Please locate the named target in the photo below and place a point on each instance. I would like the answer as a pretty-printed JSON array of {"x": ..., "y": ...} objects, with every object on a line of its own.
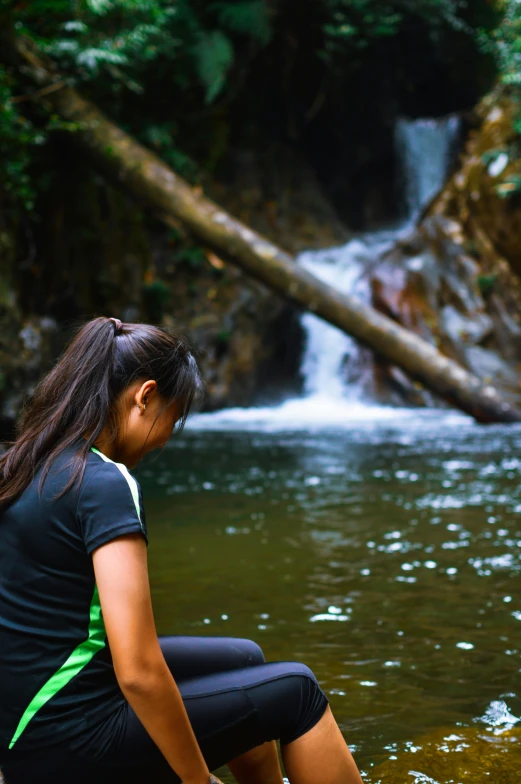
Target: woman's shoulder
[
  {"x": 97, "y": 477},
  {"x": 101, "y": 469},
  {"x": 109, "y": 503}
]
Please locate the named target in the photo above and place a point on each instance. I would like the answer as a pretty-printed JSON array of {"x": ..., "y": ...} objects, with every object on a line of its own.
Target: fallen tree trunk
[{"x": 148, "y": 178}]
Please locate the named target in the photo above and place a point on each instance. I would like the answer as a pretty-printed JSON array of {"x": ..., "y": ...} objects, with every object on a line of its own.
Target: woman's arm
[{"x": 122, "y": 579}]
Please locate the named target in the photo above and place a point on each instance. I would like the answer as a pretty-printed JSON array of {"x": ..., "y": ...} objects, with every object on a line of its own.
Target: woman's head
[{"x": 126, "y": 383}]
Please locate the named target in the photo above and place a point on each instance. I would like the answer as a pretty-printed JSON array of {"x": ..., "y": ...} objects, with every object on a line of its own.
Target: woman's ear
[{"x": 144, "y": 394}]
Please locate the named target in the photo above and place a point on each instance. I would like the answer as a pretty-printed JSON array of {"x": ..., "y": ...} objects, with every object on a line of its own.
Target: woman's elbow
[{"x": 137, "y": 677}]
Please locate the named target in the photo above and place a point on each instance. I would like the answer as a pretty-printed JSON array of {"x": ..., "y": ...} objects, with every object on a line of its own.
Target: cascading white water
[
  {"x": 332, "y": 366},
  {"x": 337, "y": 379},
  {"x": 425, "y": 149}
]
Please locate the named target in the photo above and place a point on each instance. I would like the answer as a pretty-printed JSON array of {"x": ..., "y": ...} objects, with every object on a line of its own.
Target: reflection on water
[{"x": 386, "y": 555}]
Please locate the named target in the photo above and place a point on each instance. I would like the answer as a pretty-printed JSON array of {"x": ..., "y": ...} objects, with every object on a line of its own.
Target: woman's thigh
[
  {"x": 188, "y": 657},
  {"x": 231, "y": 713}
]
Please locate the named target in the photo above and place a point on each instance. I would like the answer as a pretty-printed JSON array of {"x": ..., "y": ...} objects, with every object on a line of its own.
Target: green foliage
[
  {"x": 118, "y": 50},
  {"x": 191, "y": 256},
  {"x": 244, "y": 18},
  {"x": 486, "y": 283},
  {"x": 18, "y": 137},
  {"x": 124, "y": 37},
  {"x": 355, "y": 23},
  {"x": 161, "y": 137},
  {"x": 214, "y": 59},
  {"x": 162, "y": 67},
  {"x": 505, "y": 43}
]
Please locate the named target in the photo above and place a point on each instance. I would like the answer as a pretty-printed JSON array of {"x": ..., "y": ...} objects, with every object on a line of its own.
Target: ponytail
[{"x": 78, "y": 398}]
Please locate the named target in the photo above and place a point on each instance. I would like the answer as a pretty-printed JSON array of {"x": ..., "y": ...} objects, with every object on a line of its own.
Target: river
[{"x": 382, "y": 547}]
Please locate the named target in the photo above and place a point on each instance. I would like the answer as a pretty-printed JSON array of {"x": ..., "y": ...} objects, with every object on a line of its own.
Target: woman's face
[{"x": 149, "y": 423}]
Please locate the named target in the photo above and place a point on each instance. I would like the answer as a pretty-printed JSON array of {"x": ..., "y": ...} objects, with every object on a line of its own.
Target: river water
[{"x": 382, "y": 547}]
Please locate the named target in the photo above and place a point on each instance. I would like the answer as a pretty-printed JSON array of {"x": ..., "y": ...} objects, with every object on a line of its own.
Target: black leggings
[{"x": 235, "y": 702}]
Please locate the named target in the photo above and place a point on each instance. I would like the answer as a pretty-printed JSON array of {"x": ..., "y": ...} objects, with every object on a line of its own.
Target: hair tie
[{"x": 117, "y": 325}]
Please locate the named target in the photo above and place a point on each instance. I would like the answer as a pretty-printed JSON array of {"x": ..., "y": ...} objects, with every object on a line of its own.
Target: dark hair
[{"x": 78, "y": 398}]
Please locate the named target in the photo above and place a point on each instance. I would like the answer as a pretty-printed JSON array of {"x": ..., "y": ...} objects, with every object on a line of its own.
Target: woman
[{"x": 87, "y": 691}]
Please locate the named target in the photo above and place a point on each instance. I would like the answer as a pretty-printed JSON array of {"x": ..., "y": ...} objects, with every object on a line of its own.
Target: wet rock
[
  {"x": 27, "y": 349},
  {"x": 456, "y": 756},
  {"x": 431, "y": 284},
  {"x": 484, "y": 194},
  {"x": 456, "y": 278}
]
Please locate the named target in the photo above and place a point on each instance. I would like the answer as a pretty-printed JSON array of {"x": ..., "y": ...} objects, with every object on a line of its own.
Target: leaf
[
  {"x": 248, "y": 18},
  {"x": 64, "y": 46},
  {"x": 99, "y": 6},
  {"x": 215, "y": 56},
  {"x": 75, "y": 26},
  {"x": 92, "y": 58}
]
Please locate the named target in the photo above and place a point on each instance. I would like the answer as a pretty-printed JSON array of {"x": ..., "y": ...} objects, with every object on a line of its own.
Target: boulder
[{"x": 455, "y": 755}]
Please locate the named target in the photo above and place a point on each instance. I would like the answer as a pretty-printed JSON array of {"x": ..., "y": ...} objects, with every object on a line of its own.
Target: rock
[
  {"x": 27, "y": 349},
  {"x": 456, "y": 756},
  {"x": 456, "y": 278},
  {"x": 484, "y": 195},
  {"x": 431, "y": 284}
]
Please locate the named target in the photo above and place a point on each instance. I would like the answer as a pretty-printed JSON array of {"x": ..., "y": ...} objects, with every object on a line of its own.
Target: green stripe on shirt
[{"x": 78, "y": 659}]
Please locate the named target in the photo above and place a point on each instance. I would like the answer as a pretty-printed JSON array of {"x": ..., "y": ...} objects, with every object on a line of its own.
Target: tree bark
[{"x": 149, "y": 179}]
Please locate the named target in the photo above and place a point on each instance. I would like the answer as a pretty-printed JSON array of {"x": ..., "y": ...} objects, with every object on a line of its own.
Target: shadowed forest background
[{"x": 285, "y": 114}]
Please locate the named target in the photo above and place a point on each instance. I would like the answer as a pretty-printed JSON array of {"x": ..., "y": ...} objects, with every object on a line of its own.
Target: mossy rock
[{"x": 456, "y": 756}]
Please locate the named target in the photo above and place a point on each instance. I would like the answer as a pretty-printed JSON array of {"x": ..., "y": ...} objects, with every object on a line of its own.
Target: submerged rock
[{"x": 456, "y": 756}]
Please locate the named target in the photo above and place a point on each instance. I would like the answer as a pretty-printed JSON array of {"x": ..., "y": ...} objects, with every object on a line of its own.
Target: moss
[{"x": 486, "y": 283}]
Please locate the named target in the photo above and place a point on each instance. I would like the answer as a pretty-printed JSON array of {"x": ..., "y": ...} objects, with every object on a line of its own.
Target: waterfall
[
  {"x": 328, "y": 348},
  {"x": 425, "y": 149},
  {"x": 333, "y": 365}
]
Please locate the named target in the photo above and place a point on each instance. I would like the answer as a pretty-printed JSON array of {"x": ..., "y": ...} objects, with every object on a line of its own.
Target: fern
[
  {"x": 101, "y": 7},
  {"x": 215, "y": 56},
  {"x": 93, "y": 57},
  {"x": 355, "y": 22}
]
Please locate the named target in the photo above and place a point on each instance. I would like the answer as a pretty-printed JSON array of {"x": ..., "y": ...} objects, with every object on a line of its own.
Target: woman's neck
[{"x": 106, "y": 445}]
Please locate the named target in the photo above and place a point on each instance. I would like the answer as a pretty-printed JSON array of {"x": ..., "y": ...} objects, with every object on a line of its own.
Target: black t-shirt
[{"x": 57, "y": 681}]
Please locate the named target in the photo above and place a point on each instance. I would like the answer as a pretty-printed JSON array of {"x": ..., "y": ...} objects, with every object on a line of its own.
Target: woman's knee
[
  {"x": 291, "y": 703},
  {"x": 313, "y": 703},
  {"x": 250, "y": 652}
]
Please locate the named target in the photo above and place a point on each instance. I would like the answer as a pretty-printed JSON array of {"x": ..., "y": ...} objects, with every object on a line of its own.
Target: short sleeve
[{"x": 109, "y": 505}]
